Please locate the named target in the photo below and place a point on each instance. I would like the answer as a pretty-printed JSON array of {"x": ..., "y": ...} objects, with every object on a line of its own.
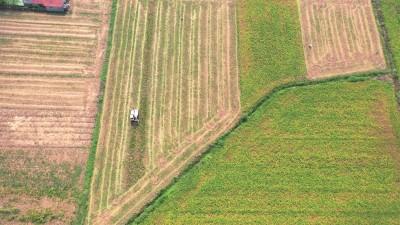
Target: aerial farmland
[
  {"x": 340, "y": 37},
  {"x": 49, "y": 84},
  {"x": 199, "y": 112}
]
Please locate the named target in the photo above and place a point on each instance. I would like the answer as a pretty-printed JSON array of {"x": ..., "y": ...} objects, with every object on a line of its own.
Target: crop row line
[
  {"x": 114, "y": 115},
  {"x": 117, "y": 214},
  {"x": 120, "y": 98},
  {"x": 132, "y": 27},
  {"x": 164, "y": 75},
  {"x": 94, "y": 206},
  {"x": 187, "y": 21},
  {"x": 153, "y": 88},
  {"x": 123, "y": 143}
]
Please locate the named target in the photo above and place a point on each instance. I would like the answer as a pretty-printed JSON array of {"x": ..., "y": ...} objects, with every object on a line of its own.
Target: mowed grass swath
[
  {"x": 340, "y": 37},
  {"x": 270, "y": 47},
  {"x": 321, "y": 154},
  {"x": 49, "y": 82},
  {"x": 176, "y": 61}
]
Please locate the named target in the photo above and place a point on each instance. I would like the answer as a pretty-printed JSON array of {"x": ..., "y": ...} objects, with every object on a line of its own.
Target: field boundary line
[
  {"x": 154, "y": 72},
  {"x": 123, "y": 88},
  {"x": 356, "y": 77},
  {"x": 180, "y": 69},
  {"x": 226, "y": 121},
  {"x": 228, "y": 54},
  {"x": 189, "y": 75},
  {"x": 165, "y": 81},
  {"x": 387, "y": 46},
  {"x": 199, "y": 66},
  {"x": 127, "y": 98},
  {"x": 132, "y": 66},
  {"x": 359, "y": 77},
  {"x": 103, "y": 91},
  {"x": 209, "y": 68},
  {"x": 84, "y": 205}
]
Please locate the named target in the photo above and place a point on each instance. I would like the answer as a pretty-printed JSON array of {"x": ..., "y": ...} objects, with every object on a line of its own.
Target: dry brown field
[
  {"x": 49, "y": 83},
  {"x": 340, "y": 37},
  {"x": 177, "y": 62}
]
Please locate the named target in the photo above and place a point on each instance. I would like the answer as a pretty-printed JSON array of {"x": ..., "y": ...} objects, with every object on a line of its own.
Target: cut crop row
[
  {"x": 340, "y": 38},
  {"x": 110, "y": 135},
  {"x": 176, "y": 129}
]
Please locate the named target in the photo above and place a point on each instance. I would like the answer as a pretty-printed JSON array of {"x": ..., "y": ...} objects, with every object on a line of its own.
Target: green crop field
[
  {"x": 391, "y": 12},
  {"x": 233, "y": 127},
  {"x": 270, "y": 48},
  {"x": 321, "y": 154}
]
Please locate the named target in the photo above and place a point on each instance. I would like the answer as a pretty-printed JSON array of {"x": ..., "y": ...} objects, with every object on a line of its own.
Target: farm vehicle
[{"x": 56, "y": 6}]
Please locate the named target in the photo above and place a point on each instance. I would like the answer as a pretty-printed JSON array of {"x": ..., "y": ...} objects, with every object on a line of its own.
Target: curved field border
[
  {"x": 355, "y": 77},
  {"x": 83, "y": 206},
  {"x": 359, "y": 77},
  {"x": 188, "y": 141}
]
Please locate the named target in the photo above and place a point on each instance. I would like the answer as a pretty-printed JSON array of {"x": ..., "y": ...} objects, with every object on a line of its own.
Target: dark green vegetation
[
  {"x": 39, "y": 216},
  {"x": 391, "y": 13},
  {"x": 320, "y": 154},
  {"x": 270, "y": 47}
]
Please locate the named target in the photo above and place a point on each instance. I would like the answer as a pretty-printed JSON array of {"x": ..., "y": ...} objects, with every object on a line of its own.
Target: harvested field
[
  {"x": 340, "y": 37},
  {"x": 176, "y": 62},
  {"x": 49, "y": 83}
]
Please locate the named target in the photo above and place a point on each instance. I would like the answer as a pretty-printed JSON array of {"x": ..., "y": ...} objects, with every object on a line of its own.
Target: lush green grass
[
  {"x": 320, "y": 154},
  {"x": 391, "y": 12},
  {"x": 270, "y": 47}
]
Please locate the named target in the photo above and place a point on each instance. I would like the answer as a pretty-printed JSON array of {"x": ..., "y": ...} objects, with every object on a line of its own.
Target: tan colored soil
[
  {"x": 49, "y": 84},
  {"x": 340, "y": 37}
]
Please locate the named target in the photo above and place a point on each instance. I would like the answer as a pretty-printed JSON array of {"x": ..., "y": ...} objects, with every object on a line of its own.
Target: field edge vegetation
[
  {"x": 354, "y": 78},
  {"x": 249, "y": 110},
  {"x": 84, "y": 198},
  {"x": 387, "y": 11}
]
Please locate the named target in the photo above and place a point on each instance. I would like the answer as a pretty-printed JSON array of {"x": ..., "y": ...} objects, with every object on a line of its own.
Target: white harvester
[{"x": 134, "y": 116}]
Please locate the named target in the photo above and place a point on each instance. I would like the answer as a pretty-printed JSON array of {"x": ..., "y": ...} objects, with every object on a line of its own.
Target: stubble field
[
  {"x": 176, "y": 62},
  {"x": 49, "y": 67},
  {"x": 340, "y": 37}
]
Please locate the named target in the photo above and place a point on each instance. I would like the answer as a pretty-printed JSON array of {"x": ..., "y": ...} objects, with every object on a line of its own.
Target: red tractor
[{"x": 48, "y": 5}]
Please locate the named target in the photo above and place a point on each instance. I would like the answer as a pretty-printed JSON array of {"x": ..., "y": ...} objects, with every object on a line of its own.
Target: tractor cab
[{"x": 134, "y": 116}]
